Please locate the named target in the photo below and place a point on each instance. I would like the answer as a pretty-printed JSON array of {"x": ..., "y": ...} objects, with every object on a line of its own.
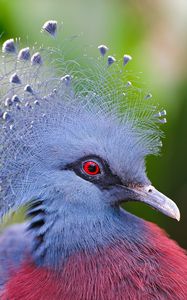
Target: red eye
[{"x": 91, "y": 168}]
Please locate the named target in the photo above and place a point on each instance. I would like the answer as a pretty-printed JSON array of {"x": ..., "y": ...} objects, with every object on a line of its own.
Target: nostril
[{"x": 150, "y": 190}]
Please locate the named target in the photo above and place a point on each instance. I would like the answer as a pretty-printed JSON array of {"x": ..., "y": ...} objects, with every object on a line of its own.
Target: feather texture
[{"x": 120, "y": 271}]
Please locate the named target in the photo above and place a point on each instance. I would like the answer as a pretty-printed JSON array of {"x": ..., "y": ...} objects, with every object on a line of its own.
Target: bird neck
[{"x": 57, "y": 238}]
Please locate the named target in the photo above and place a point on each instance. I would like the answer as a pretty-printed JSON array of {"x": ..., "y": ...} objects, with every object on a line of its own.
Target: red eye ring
[{"x": 91, "y": 168}]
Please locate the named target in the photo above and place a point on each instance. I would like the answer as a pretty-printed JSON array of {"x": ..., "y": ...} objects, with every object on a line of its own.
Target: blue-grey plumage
[{"x": 15, "y": 244}]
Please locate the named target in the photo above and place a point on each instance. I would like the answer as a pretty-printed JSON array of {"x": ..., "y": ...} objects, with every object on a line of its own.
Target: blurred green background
[{"x": 155, "y": 34}]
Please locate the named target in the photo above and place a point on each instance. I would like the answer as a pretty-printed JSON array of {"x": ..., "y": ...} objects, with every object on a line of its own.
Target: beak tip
[
  {"x": 176, "y": 214},
  {"x": 178, "y": 217}
]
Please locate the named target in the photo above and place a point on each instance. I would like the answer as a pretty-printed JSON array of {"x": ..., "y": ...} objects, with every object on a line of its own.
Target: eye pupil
[{"x": 91, "y": 168}]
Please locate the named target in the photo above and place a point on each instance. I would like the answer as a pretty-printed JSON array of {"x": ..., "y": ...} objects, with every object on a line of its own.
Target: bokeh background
[{"x": 155, "y": 34}]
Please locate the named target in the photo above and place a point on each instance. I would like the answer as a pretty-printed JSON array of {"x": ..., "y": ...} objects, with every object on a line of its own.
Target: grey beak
[{"x": 149, "y": 195}]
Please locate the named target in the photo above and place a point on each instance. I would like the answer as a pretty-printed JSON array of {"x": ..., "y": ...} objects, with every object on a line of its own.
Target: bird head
[
  {"x": 76, "y": 142},
  {"x": 93, "y": 162}
]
